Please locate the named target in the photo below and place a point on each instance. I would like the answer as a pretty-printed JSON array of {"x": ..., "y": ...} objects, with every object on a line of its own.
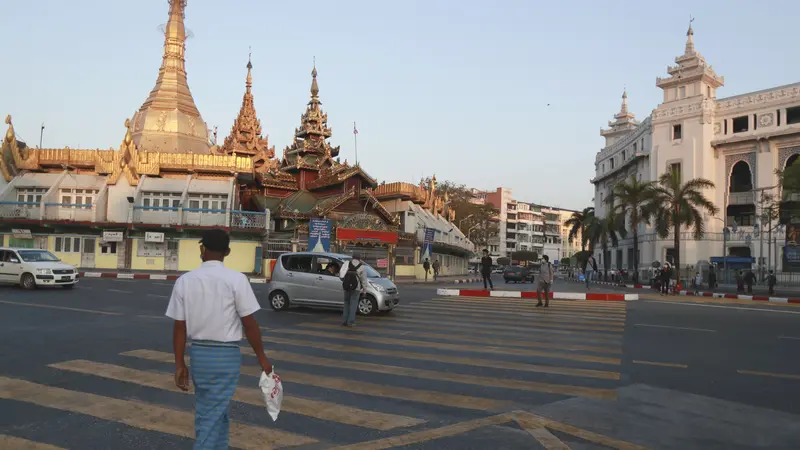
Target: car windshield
[
  {"x": 37, "y": 256},
  {"x": 371, "y": 273}
]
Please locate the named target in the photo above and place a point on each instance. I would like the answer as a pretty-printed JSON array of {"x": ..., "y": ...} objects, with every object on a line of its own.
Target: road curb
[
  {"x": 532, "y": 294},
  {"x": 757, "y": 298},
  {"x": 146, "y": 276}
]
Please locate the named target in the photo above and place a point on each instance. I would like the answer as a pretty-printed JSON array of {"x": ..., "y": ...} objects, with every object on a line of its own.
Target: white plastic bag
[{"x": 272, "y": 388}]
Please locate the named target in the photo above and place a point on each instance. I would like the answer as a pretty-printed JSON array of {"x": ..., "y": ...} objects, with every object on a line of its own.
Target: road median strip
[{"x": 532, "y": 294}]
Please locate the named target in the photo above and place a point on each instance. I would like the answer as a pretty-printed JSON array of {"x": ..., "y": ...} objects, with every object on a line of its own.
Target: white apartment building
[{"x": 736, "y": 142}]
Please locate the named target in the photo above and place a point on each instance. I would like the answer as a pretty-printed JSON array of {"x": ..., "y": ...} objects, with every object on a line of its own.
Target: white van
[{"x": 32, "y": 268}]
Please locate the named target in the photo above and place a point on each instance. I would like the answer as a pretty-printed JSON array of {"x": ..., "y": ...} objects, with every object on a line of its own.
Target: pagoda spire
[
  {"x": 690, "y": 40},
  {"x": 245, "y": 137},
  {"x": 624, "y": 108},
  {"x": 169, "y": 121}
]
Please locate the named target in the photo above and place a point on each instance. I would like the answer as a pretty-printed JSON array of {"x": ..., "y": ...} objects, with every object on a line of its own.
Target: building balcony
[
  {"x": 156, "y": 215},
  {"x": 70, "y": 212},
  {"x": 20, "y": 210}
]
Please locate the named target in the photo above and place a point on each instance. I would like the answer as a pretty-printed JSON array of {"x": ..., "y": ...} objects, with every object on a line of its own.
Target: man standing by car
[
  {"x": 210, "y": 305},
  {"x": 354, "y": 284},
  {"x": 545, "y": 281},
  {"x": 486, "y": 269}
]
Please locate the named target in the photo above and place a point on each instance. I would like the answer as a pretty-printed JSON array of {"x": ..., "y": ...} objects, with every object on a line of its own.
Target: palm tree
[
  {"x": 675, "y": 205},
  {"x": 577, "y": 223},
  {"x": 602, "y": 231},
  {"x": 632, "y": 200}
]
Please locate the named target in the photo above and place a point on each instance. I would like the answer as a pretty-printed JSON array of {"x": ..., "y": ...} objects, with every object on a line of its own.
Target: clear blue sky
[{"x": 459, "y": 89}]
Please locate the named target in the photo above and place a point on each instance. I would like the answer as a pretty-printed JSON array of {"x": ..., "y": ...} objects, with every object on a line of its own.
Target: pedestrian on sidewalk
[
  {"x": 589, "y": 269},
  {"x": 486, "y": 269},
  {"x": 771, "y": 281},
  {"x": 712, "y": 279},
  {"x": 211, "y": 305},
  {"x": 698, "y": 282},
  {"x": 665, "y": 279},
  {"x": 426, "y": 265},
  {"x": 740, "y": 282},
  {"x": 749, "y": 279},
  {"x": 544, "y": 282},
  {"x": 436, "y": 267},
  {"x": 354, "y": 285}
]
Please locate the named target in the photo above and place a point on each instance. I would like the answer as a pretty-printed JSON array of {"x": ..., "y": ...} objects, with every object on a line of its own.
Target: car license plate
[{"x": 65, "y": 279}]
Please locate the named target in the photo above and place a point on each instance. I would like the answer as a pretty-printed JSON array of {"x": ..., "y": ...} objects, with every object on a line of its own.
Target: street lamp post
[{"x": 725, "y": 235}]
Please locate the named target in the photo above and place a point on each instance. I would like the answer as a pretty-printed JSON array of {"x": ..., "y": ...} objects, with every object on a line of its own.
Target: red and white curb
[
  {"x": 532, "y": 294},
  {"x": 758, "y": 298},
  {"x": 146, "y": 276},
  {"x": 468, "y": 280}
]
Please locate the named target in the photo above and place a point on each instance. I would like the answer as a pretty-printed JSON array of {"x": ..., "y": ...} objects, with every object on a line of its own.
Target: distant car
[
  {"x": 304, "y": 278},
  {"x": 32, "y": 268},
  {"x": 497, "y": 270},
  {"x": 517, "y": 274}
]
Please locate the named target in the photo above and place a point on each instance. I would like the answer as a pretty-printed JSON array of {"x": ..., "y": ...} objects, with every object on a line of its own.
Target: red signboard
[
  {"x": 352, "y": 234},
  {"x": 383, "y": 263}
]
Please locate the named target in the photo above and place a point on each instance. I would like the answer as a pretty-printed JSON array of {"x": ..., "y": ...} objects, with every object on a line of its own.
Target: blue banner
[
  {"x": 319, "y": 235},
  {"x": 427, "y": 244}
]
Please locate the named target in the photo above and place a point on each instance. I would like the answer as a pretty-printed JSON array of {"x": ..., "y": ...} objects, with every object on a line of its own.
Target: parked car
[
  {"x": 32, "y": 268},
  {"x": 312, "y": 279},
  {"x": 518, "y": 274}
]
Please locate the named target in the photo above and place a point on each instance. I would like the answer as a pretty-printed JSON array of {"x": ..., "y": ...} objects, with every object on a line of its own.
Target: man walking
[
  {"x": 427, "y": 266},
  {"x": 486, "y": 269},
  {"x": 771, "y": 281},
  {"x": 354, "y": 283},
  {"x": 436, "y": 267},
  {"x": 545, "y": 281},
  {"x": 211, "y": 305},
  {"x": 589, "y": 268}
]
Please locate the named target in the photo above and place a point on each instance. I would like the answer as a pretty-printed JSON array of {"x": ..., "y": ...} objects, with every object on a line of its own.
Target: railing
[
  {"x": 740, "y": 198},
  {"x": 204, "y": 217},
  {"x": 20, "y": 210},
  {"x": 248, "y": 220},
  {"x": 156, "y": 215},
  {"x": 76, "y": 212}
]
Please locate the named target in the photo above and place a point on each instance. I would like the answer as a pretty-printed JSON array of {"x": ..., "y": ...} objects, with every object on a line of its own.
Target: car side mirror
[{"x": 13, "y": 261}]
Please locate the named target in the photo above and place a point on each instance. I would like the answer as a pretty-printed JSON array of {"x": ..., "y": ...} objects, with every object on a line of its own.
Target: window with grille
[
  {"x": 68, "y": 244},
  {"x": 30, "y": 195}
]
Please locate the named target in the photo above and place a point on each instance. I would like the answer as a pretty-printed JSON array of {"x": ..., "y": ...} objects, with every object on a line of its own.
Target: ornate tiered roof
[
  {"x": 624, "y": 120},
  {"x": 691, "y": 66},
  {"x": 245, "y": 137},
  {"x": 310, "y": 148}
]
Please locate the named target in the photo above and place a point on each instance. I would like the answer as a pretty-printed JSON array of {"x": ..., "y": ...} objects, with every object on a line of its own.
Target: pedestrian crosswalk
[{"x": 432, "y": 369}]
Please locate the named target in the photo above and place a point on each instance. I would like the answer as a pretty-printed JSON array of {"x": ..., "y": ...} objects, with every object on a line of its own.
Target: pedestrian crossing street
[{"x": 433, "y": 369}]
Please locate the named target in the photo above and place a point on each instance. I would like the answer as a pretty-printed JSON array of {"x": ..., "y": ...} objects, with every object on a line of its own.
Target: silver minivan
[{"x": 312, "y": 279}]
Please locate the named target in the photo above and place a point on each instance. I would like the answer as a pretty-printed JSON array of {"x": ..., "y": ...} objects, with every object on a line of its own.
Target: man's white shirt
[
  {"x": 360, "y": 272},
  {"x": 212, "y": 300}
]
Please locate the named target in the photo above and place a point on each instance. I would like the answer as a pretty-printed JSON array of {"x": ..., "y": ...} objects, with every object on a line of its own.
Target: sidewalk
[
  {"x": 457, "y": 279},
  {"x": 146, "y": 275}
]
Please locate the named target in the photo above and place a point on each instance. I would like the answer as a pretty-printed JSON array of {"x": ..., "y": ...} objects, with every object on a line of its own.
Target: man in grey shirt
[{"x": 544, "y": 281}]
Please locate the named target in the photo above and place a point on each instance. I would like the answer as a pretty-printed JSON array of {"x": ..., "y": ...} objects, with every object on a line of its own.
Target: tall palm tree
[
  {"x": 676, "y": 205},
  {"x": 603, "y": 231},
  {"x": 632, "y": 200},
  {"x": 577, "y": 223}
]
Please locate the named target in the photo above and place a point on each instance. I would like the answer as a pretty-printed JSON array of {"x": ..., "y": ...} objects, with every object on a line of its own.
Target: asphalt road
[{"x": 91, "y": 369}]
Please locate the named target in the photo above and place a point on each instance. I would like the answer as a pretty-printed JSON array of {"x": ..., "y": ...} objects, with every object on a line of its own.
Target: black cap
[
  {"x": 216, "y": 240},
  {"x": 356, "y": 255}
]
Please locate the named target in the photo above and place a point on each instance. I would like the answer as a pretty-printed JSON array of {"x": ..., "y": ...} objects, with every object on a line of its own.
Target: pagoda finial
[
  {"x": 624, "y": 109},
  {"x": 249, "y": 80},
  {"x": 690, "y": 38},
  {"x": 314, "y": 86}
]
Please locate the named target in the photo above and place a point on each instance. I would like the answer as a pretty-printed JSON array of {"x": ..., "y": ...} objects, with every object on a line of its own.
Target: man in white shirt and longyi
[{"x": 211, "y": 305}]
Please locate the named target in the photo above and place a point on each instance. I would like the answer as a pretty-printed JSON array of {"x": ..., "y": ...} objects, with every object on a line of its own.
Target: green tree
[
  {"x": 676, "y": 205},
  {"x": 603, "y": 231},
  {"x": 631, "y": 201},
  {"x": 577, "y": 223}
]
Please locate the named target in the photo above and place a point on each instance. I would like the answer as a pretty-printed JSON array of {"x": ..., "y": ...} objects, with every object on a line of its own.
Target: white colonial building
[{"x": 737, "y": 142}]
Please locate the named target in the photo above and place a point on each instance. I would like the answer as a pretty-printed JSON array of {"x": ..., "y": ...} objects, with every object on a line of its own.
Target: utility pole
[{"x": 41, "y": 135}]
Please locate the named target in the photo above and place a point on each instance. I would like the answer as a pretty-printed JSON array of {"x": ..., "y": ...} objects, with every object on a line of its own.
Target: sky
[{"x": 486, "y": 94}]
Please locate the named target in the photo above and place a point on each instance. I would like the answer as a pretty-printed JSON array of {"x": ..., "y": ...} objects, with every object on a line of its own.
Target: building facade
[{"x": 736, "y": 142}]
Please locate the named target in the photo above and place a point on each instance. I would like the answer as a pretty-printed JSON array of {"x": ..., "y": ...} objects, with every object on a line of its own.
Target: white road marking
[
  {"x": 157, "y": 295},
  {"x": 119, "y": 291},
  {"x": 165, "y": 284},
  {"x": 789, "y": 337},
  {"x": 674, "y": 328},
  {"x": 703, "y": 305}
]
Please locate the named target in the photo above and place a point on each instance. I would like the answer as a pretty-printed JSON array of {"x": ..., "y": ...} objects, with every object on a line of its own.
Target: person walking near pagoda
[
  {"x": 354, "y": 284},
  {"x": 544, "y": 282},
  {"x": 426, "y": 265},
  {"x": 436, "y": 266},
  {"x": 486, "y": 269},
  {"x": 211, "y": 305}
]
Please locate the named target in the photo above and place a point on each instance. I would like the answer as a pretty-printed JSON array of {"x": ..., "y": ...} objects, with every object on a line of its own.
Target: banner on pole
[{"x": 319, "y": 235}]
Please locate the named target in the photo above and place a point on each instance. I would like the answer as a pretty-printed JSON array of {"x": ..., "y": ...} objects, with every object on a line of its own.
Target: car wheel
[
  {"x": 278, "y": 300},
  {"x": 367, "y": 305},
  {"x": 68, "y": 286},
  {"x": 27, "y": 281}
]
